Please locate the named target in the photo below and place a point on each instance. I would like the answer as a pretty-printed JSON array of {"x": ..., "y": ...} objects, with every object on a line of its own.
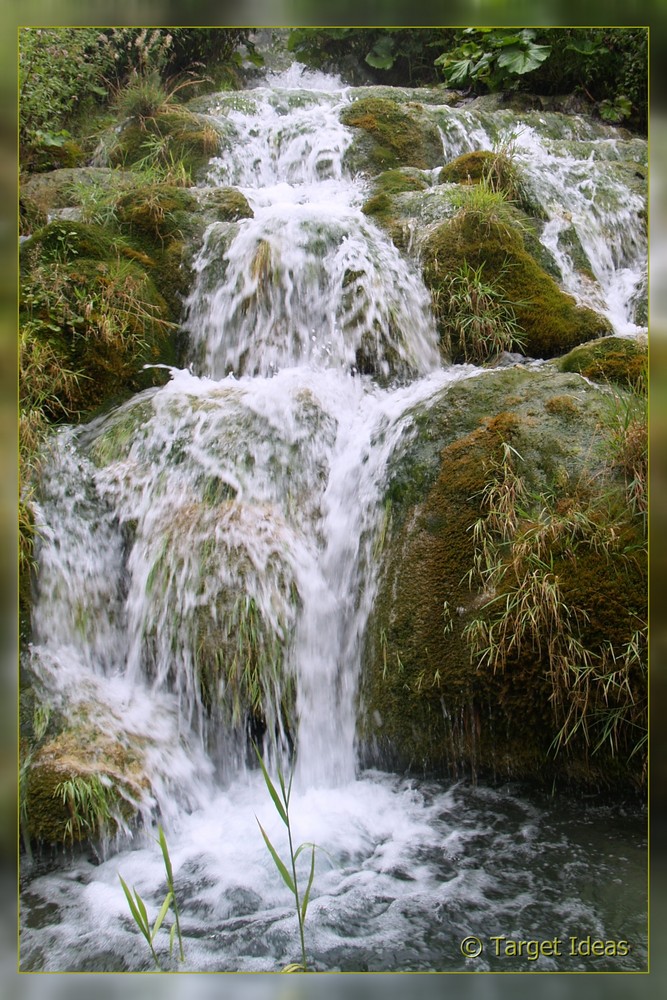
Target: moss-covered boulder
[
  {"x": 74, "y": 186},
  {"x": 79, "y": 785},
  {"x": 226, "y": 204},
  {"x": 471, "y": 168},
  {"x": 156, "y": 212},
  {"x": 528, "y": 452},
  {"x": 394, "y": 135},
  {"x": 550, "y": 321},
  {"x": 611, "y": 359},
  {"x": 172, "y": 135},
  {"x": 91, "y": 309},
  {"x": 495, "y": 169}
]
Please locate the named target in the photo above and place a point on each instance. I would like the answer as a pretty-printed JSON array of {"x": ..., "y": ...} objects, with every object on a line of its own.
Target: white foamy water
[{"x": 206, "y": 575}]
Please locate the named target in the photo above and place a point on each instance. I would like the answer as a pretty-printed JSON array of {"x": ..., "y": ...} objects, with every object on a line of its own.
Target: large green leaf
[
  {"x": 381, "y": 55},
  {"x": 460, "y": 72},
  {"x": 523, "y": 60}
]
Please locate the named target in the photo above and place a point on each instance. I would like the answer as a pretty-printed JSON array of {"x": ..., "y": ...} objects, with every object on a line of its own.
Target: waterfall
[{"x": 207, "y": 552}]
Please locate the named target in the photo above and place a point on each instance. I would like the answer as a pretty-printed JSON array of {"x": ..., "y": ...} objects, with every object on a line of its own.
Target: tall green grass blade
[
  {"x": 165, "y": 854},
  {"x": 161, "y": 915},
  {"x": 142, "y": 909},
  {"x": 272, "y": 790},
  {"x": 306, "y": 897},
  {"x": 136, "y": 913},
  {"x": 287, "y": 878}
]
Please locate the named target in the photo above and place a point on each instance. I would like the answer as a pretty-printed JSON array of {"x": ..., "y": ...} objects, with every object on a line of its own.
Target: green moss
[
  {"x": 398, "y": 181},
  {"x": 551, "y": 321},
  {"x": 401, "y": 135},
  {"x": 102, "y": 320},
  {"x": 380, "y": 208},
  {"x": 114, "y": 442},
  {"x": 106, "y": 773},
  {"x": 172, "y": 135},
  {"x": 611, "y": 359},
  {"x": 494, "y": 169},
  {"x": 471, "y": 168},
  {"x": 569, "y": 240},
  {"x": 68, "y": 241},
  {"x": 426, "y": 702},
  {"x": 156, "y": 212},
  {"x": 227, "y": 204},
  {"x": 52, "y": 157}
]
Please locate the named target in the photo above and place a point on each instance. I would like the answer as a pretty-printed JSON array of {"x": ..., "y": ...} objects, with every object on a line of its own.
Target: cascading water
[{"x": 232, "y": 515}]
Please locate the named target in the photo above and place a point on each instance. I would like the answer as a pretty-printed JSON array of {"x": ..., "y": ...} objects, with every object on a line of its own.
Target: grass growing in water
[
  {"x": 281, "y": 802},
  {"x": 140, "y": 914}
]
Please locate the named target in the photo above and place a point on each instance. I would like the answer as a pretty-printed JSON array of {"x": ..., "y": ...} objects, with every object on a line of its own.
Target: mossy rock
[
  {"x": 67, "y": 186},
  {"x": 620, "y": 360},
  {"x": 551, "y": 321},
  {"x": 401, "y": 135},
  {"x": 426, "y": 704},
  {"x": 399, "y": 180},
  {"x": 495, "y": 169},
  {"x": 170, "y": 136},
  {"x": 226, "y": 204},
  {"x": 470, "y": 168},
  {"x": 40, "y": 158},
  {"x": 108, "y": 776},
  {"x": 66, "y": 240},
  {"x": 156, "y": 212},
  {"x": 568, "y": 239}
]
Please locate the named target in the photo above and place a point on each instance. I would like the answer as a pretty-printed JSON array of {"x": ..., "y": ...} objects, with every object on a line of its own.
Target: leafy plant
[
  {"x": 140, "y": 913},
  {"x": 616, "y": 110},
  {"x": 492, "y": 57},
  {"x": 281, "y": 802}
]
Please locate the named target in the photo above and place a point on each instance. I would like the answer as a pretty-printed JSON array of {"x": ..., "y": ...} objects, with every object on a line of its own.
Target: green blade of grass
[
  {"x": 161, "y": 915},
  {"x": 272, "y": 790},
  {"x": 306, "y": 897},
  {"x": 165, "y": 854},
  {"x": 287, "y": 878},
  {"x": 134, "y": 910}
]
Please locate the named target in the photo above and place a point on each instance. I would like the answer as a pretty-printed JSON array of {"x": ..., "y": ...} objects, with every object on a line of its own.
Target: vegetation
[
  {"x": 508, "y": 633},
  {"x": 140, "y": 914},
  {"x": 101, "y": 296},
  {"x": 617, "y": 360},
  {"x": 483, "y": 235},
  {"x": 69, "y": 77},
  {"x": 399, "y": 136},
  {"x": 281, "y": 802},
  {"x": 608, "y": 67},
  {"x": 477, "y": 321},
  {"x": 523, "y": 542}
]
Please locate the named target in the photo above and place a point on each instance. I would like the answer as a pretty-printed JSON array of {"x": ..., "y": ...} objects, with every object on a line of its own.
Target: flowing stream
[{"x": 239, "y": 507}]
